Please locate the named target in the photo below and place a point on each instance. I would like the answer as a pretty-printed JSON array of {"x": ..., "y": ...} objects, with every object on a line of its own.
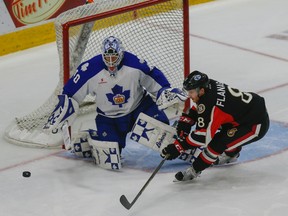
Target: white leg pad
[
  {"x": 106, "y": 154},
  {"x": 152, "y": 133},
  {"x": 81, "y": 146}
]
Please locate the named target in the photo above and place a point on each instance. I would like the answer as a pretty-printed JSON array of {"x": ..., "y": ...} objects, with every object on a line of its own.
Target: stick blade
[{"x": 125, "y": 202}]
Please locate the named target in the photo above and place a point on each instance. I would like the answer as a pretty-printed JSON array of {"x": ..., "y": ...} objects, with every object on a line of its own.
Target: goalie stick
[
  {"x": 123, "y": 199},
  {"x": 66, "y": 136}
]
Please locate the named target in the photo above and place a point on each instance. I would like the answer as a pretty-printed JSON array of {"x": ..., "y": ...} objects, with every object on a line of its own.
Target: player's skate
[
  {"x": 186, "y": 175},
  {"x": 225, "y": 159}
]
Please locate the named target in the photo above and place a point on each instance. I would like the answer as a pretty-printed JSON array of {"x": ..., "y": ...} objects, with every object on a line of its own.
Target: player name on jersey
[{"x": 221, "y": 93}]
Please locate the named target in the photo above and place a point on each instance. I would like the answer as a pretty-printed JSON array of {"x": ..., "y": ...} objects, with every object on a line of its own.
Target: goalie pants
[
  {"x": 230, "y": 140},
  {"x": 116, "y": 129}
]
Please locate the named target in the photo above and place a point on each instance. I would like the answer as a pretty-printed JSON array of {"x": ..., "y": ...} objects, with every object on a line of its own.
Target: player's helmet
[
  {"x": 196, "y": 80},
  {"x": 112, "y": 51}
]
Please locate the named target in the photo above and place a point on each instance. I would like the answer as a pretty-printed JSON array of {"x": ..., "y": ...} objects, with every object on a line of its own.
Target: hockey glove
[
  {"x": 179, "y": 147},
  {"x": 170, "y": 96},
  {"x": 184, "y": 125},
  {"x": 172, "y": 151},
  {"x": 65, "y": 111}
]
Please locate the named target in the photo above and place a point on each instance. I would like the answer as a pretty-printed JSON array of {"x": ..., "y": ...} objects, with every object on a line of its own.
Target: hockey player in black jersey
[{"x": 226, "y": 119}]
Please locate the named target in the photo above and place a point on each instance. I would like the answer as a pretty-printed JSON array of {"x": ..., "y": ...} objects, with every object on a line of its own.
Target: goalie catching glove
[
  {"x": 64, "y": 112},
  {"x": 170, "y": 96}
]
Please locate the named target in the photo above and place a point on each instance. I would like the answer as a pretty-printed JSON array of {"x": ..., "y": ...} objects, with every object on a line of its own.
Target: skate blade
[{"x": 188, "y": 180}]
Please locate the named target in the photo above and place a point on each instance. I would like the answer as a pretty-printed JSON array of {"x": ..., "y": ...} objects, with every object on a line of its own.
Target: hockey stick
[
  {"x": 66, "y": 136},
  {"x": 123, "y": 199}
]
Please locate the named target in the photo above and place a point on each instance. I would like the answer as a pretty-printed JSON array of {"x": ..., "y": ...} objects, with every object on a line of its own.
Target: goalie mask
[
  {"x": 196, "y": 80},
  {"x": 112, "y": 53}
]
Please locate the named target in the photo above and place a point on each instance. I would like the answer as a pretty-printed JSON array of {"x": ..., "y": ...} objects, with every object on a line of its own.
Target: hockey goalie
[{"x": 124, "y": 86}]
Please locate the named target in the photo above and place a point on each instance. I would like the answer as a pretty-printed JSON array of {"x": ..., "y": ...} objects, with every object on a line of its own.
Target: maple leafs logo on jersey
[
  {"x": 118, "y": 97},
  {"x": 84, "y": 67}
]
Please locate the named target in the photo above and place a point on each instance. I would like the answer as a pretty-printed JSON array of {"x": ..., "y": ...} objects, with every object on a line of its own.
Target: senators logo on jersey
[
  {"x": 200, "y": 108},
  {"x": 231, "y": 132}
]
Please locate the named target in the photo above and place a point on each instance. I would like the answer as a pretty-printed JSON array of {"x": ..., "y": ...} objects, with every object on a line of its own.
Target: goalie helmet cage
[{"x": 154, "y": 30}]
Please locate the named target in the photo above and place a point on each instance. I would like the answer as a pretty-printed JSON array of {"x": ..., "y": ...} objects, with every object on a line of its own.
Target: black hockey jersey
[{"x": 223, "y": 106}]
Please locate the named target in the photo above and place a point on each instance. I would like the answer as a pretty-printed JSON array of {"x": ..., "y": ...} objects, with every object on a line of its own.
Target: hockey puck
[{"x": 26, "y": 174}]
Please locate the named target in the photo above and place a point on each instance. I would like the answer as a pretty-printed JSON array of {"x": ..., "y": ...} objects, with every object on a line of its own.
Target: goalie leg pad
[
  {"x": 81, "y": 145},
  {"x": 152, "y": 133},
  {"x": 106, "y": 154}
]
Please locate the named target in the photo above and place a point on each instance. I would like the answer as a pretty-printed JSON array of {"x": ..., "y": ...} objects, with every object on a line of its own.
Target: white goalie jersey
[{"x": 119, "y": 94}]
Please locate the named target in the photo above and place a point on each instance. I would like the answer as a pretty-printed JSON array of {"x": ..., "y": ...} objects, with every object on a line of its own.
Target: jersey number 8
[{"x": 245, "y": 97}]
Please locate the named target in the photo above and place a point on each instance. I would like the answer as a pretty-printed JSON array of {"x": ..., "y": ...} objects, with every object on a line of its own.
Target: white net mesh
[{"x": 154, "y": 33}]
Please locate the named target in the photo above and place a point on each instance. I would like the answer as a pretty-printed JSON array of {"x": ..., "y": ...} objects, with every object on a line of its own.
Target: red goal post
[{"x": 154, "y": 30}]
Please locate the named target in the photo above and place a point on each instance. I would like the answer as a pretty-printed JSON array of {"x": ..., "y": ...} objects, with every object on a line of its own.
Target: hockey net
[{"x": 155, "y": 30}]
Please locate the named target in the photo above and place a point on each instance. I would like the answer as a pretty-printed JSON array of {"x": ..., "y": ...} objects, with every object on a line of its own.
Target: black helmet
[{"x": 195, "y": 80}]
